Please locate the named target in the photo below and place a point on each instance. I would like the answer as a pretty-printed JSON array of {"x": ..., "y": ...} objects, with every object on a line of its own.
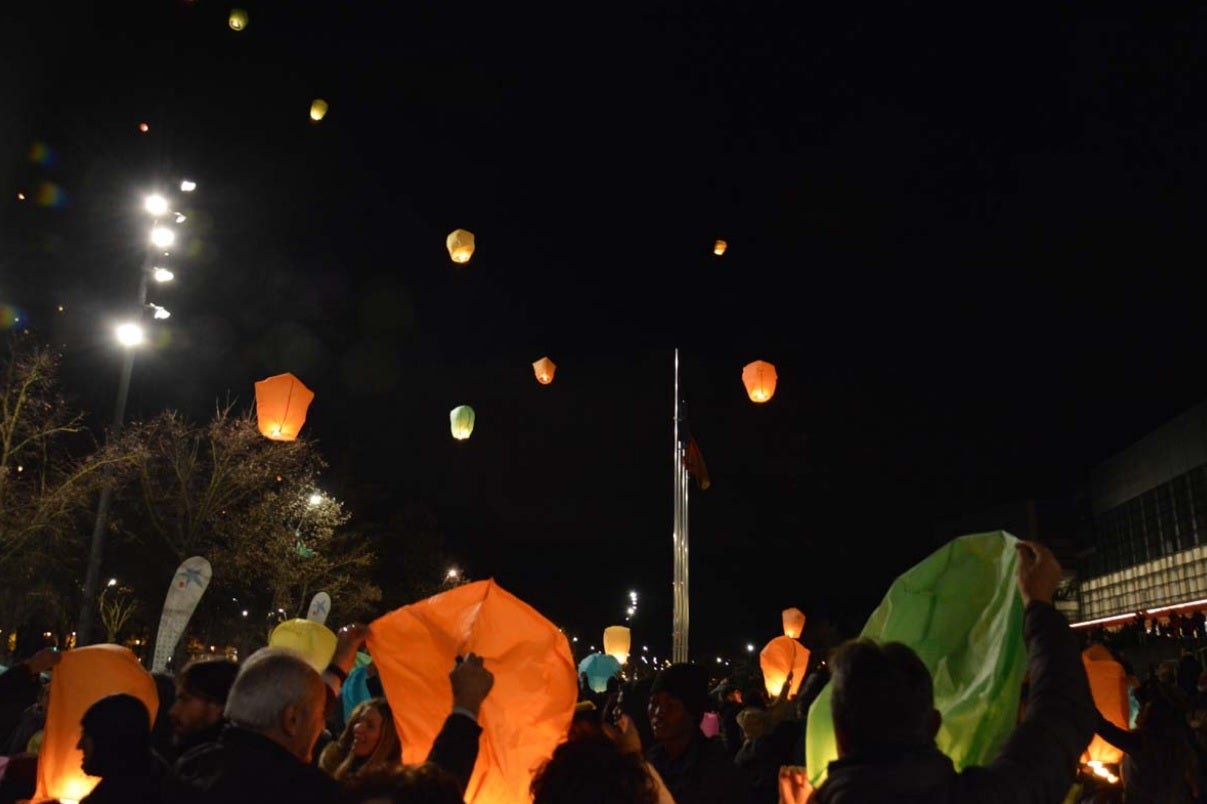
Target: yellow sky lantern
[
  {"x": 237, "y": 19},
  {"x": 318, "y": 109},
  {"x": 460, "y": 245},
  {"x": 794, "y": 623},
  {"x": 312, "y": 640},
  {"x": 461, "y": 420},
  {"x": 719, "y": 247},
  {"x": 281, "y": 404},
  {"x": 544, "y": 369},
  {"x": 759, "y": 378},
  {"x": 617, "y": 639}
]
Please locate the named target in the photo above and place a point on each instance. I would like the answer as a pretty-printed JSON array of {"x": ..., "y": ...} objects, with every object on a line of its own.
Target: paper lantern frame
[
  {"x": 281, "y": 405},
  {"x": 759, "y": 378},
  {"x": 544, "y": 370},
  {"x": 460, "y": 245}
]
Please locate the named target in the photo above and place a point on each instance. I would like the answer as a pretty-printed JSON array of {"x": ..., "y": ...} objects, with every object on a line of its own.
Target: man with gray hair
[{"x": 275, "y": 710}]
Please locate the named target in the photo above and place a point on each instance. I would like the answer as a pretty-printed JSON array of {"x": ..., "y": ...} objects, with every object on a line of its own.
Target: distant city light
[
  {"x": 159, "y": 313},
  {"x": 453, "y": 572},
  {"x": 315, "y": 498},
  {"x": 187, "y": 186},
  {"x": 749, "y": 647},
  {"x": 112, "y": 582},
  {"x": 156, "y": 204},
  {"x": 162, "y": 236},
  {"x": 160, "y": 275},
  {"x": 129, "y": 334}
]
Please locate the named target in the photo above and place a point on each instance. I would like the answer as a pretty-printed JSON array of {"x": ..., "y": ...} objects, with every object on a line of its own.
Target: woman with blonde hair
[{"x": 369, "y": 742}]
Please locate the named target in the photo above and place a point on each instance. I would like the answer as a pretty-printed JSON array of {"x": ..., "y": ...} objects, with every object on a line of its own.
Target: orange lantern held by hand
[
  {"x": 759, "y": 378},
  {"x": 794, "y": 623},
  {"x": 281, "y": 404},
  {"x": 1108, "y": 685},
  {"x": 544, "y": 369}
]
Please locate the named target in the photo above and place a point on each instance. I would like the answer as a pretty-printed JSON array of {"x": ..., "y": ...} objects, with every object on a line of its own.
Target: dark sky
[{"x": 970, "y": 240}]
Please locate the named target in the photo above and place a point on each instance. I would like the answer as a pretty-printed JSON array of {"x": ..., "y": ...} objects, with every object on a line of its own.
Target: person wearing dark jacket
[
  {"x": 885, "y": 723},
  {"x": 695, "y": 768},
  {"x": 196, "y": 713},
  {"x": 1159, "y": 763},
  {"x": 116, "y": 742},
  {"x": 19, "y": 687}
]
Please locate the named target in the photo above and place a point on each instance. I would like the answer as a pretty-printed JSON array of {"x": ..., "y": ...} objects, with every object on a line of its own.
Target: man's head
[
  {"x": 279, "y": 695},
  {"x": 115, "y": 731},
  {"x": 678, "y": 700},
  {"x": 882, "y": 697},
  {"x": 201, "y": 691},
  {"x": 593, "y": 771}
]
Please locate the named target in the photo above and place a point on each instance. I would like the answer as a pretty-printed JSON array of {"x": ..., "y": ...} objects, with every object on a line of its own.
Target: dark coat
[
  {"x": 1037, "y": 763},
  {"x": 703, "y": 774},
  {"x": 18, "y": 690},
  {"x": 138, "y": 781}
]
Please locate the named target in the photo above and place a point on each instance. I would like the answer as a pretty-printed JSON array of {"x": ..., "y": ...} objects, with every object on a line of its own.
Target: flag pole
[{"x": 680, "y": 583}]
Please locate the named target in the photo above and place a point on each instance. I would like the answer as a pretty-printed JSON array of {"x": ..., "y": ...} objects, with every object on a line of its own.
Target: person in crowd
[
  {"x": 695, "y": 768},
  {"x": 595, "y": 771},
  {"x": 369, "y": 742},
  {"x": 1189, "y": 671},
  {"x": 882, "y": 704},
  {"x": 586, "y": 722},
  {"x": 32, "y": 721},
  {"x": 197, "y": 711},
  {"x": 770, "y": 737},
  {"x": 20, "y": 685},
  {"x": 161, "y": 730},
  {"x": 418, "y": 784},
  {"x": 1159, "y": 763},
  {"x": 115, "y": 740},
  {"x": 730, "y": 704}
]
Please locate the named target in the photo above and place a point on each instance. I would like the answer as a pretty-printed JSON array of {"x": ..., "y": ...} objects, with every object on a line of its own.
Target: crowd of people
[{"x": 273, "y": 729}]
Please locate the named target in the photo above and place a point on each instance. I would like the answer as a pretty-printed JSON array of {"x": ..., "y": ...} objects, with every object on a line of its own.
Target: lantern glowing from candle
[
  {"x": 719, "y": 247},
  {"x": 794, "y": 623},
  {"x": 781, "y": 656},
  {"x": 281, "y": 404},
  {"x": 616, "y": 642},
  {"x": 759, "y": 378},
  {"x": 318, "y": 109},
  {"x": 1108, "y": 686},
  {"x": 312, "y": 640},
  {"x": 460, "y": 245},
  {"x": 461, "y": 419},
  {"x": 83, "y": 677},
  {"x": 237, "y": 19},
  {"x": 544, "y": 369}
]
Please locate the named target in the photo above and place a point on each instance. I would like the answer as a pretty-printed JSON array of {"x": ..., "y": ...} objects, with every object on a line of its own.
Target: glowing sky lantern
[
  {"x": 461, "y": 420},
  {"x": 598, "y": 668},
  {"x": 1108, "y": 685},
  {"x": 759, "y": 378},
  {"x": 281, "y": 404},
  {"x": 83, "y": 677},
  {"x": 719, "y": 247},
  {"x": 529, "y": 709},
  {"x": 616, "y": 642},
  {"x": 310, "y": 638},
  {"x": 779, "y": 657},
  {"x": 460, "y": 245},
  {"x": 544, "y": 369},
  {"x": 794, "y": 623},
  {"x": 237, "y": 19},
  {"x": 318, "y": 109}
]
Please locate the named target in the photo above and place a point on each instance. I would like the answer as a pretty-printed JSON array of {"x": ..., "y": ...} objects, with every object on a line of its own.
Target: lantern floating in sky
[
  {"x": 616, "y": 642},
  {"x": 544, "y": 369},
  {"x": 281, "y": 404},
  {"x": 461, "y": 419},
  {"x": 460, "y": 245},
  {"x": 759, "y": 378},
  {"x": 144, "y": 128},
  {"x": 318, "y": 109},
  {"x": 237, "y": 20},
  {"x": 794, "y": 623},
  {"x": 719, "y": 247},
  {"x": 781, "y": 656}
]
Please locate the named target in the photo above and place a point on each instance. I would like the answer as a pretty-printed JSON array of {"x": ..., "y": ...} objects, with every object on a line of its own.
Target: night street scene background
[{"x": 969, "y": 241}]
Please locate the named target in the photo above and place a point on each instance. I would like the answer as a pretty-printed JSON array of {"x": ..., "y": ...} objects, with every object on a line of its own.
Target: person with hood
[
  {"x": 882, "y": 705},
  {"x": 116, "y": 742},
  {"x": 695, "y": 768}
]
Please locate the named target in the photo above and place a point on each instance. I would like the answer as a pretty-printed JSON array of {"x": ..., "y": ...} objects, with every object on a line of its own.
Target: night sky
[{"x": 969, "y": 239}]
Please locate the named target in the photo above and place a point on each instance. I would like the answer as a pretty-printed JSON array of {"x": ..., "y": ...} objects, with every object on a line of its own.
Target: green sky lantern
[{"x": 461, "y": 419}]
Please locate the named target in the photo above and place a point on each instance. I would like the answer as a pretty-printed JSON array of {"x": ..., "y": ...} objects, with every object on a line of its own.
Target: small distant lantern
[
  {"x": 318, "y": 109},
  {"x": 237, "y": 20},
  {"x": 281, "y": 404},
  {"x": 144, "y": 128},
  {"x": 460, "y": 245},
  {"x": 617, "y": 640},
  {"x": 794, "y": 623},
  {"x": 781, "y": 656},
  {"x": 719, "y": 247},
  {"x": 544, "y": 369},
  {"x": 759, "y": 378},
  {"x": 461, "y": 419}
]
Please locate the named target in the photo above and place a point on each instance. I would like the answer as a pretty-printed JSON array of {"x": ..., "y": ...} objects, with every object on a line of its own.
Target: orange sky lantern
[
  {"x": 779, "y": 657},
  {"x": 1108, "y": 685},
  {"x": 759, "y": 378},
  {"x": 318, "y": 109},
  {"x": 719, "y": 247},
  {"x": 281, "y": 404},
  {"x": 794, "y": 623},
  {"x": 460, "y": 245},
  {"x": 544, "y": 369}
]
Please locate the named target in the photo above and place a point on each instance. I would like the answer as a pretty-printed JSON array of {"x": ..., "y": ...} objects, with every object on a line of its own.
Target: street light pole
[{"x": 92, "y": 577}]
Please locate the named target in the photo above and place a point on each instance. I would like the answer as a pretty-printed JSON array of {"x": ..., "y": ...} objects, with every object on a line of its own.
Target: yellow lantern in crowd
[
  {"x": 281, "y": 404},
  {"x": 460, "y": 245},
  {"x": 461, "y": 419},
  {"x": 719, "y": 247},
  {"x": 616, "y": 642},
  {"x": 759, "y": 378},
  {"x": 544, "y": 369},
  {"x": 312, "y": 640},
  {"x": 781, "y": 656},
  {"x": 237, "y": 20},
  {"x": 318, "y": 109},
  {"x": 794, "y": 623}
]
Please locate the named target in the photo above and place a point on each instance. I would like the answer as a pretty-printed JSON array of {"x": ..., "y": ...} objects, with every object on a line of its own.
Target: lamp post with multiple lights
[{"x": 130, "y": 335}]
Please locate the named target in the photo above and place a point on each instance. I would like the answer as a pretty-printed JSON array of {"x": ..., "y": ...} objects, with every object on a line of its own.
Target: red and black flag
[{"x": 693, "y": 459}]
